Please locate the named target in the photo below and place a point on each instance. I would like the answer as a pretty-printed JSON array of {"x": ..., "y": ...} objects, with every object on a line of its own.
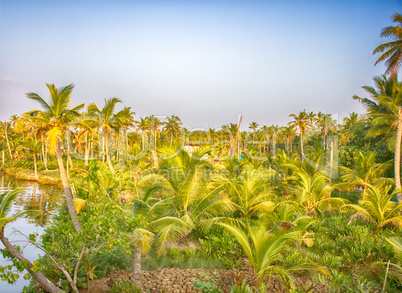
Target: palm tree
[
  {"x": 141, "y": 241},
  {"x": 348, "y": 126},
  {"x": 234, "y": 136},
  {"x": 313, "y": 193},
  {"x": 377, "y": 208},
  {"x": 327, "y": 125},
  {"x": 263, "y": 249},
  {"x": 391, "y": 51},
  {"x": 126, "y": 120},
  {"x": 385, "y": 109},
  {"x": 273, "y": 130},
  {"x": 57, "y": 116},
  {"x": 5, "y": 124},
  {"x": 173, "y": 127},
  {"x": 33, "y": 146},
  {"x": 288, "y": 133},
  {"x": 366, "y": 171},
  {"x": 107, "y": 121},
  {"x": 301, "y": 122},
  {"x": 247, "y": 187},
  {"x": 144, "y": 126},
  {"x": 253, "y": 127},
  {"x": 6, "y": 200},
  {"x": 188, "y": 201}
]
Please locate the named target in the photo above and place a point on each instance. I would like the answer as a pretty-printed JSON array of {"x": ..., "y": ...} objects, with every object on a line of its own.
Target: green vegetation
[{"x": 312, "y": 200}]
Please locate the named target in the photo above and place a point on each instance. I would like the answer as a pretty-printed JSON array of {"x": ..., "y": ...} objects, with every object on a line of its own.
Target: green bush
[
  {"x": 222, "y": 246},
  {"x": 124, "y": 286}
]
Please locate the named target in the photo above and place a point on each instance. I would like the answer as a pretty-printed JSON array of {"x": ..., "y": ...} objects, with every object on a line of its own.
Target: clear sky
[{"x": 205, "y": 61}]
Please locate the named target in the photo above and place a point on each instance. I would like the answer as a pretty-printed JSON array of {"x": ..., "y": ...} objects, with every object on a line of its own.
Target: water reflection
[{"x": 47, "y": 199}]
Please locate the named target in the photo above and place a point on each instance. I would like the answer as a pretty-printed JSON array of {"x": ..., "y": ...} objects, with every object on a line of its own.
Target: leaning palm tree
[
  {"x": 6, "y": 200},
  {"x": 58, "y": 116},
  {"x": 391, "y": 51}
]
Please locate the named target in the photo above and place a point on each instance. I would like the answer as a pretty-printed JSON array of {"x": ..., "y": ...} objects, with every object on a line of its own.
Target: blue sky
[{"x": 205, "y": 61}]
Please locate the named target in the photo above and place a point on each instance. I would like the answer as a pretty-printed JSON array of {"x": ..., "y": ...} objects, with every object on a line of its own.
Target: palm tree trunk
[
  {"x": 70, "y": 161},
  {"x": 8, "y": 143},
  {"x": 397, "y": 158},
  {"x": 3, "y": 157},
  {"x": 137, "y": 268},
  {"x": 38, "y": 276},
  {"x": 43, "y": 153},
  {"x": 109, "y": 162},
  {"x": 66, "y": 186},
  {"x": 91, "y": 146},
  {"x": 35, "y": 167},
  {"x": 331, "y": 160},
  {"x": 86, "y": 149},
  {"x": 301, "y": 145}
]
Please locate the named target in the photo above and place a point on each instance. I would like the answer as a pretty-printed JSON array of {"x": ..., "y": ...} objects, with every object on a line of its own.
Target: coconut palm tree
[
  {"x": 377, "y": 208},
  {"x": 348, "y": 126},
  {"x": 263, "y": 249},
  {"x": 391, "y": 51},
  {"x": 253, "y": 127},
  {"x": 5, "y": 124},
  {"x": 246, "y": 186},
  {"x": 187, "y": 202},
  {"x": 6, "y": 200},
  {"x": 289, "y": 133},
  {"x": 397, "y": 246},
  {"x": 385, "y": 109},
  {"x": 107, "y": 121},
  {"x": 313, "y": 193},
  {"x": 57, "y": 115},
  {"x": 173, "y": 127},
  {"x": 141, "y": 240},
  {"x": 34, "y": 146},
  {"x": 302, "y": 123},
  {"x": 126, "y": 120},
  {"x": 366, "y": 171}
]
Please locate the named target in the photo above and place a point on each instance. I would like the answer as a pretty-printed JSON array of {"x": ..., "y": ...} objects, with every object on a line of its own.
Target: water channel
[{"x": 45, "y": 198}]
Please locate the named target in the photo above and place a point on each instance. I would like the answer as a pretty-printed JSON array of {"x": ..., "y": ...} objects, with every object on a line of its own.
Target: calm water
[{"x": 48, "y": 199}]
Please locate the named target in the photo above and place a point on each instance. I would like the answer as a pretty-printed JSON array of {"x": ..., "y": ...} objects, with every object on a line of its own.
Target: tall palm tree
[
  {"x": 289, "y": 133},
  {"x": 6, "y": 200},
  {"x": 144, "y": 126},
  {"x": 173, "y": 127},
  {"x": 34, "y": 146},
  {"x": 126, "y": 120},
  {"x": 107, "y": 121},
  {"x": 391, "y": 51},
  {"x": 57, "y": 115},
  {"x": 348, "y": 126},
  {"x": 302, "y": 123},
  {"x": 385, "y": 109},
  {"x": 253, "y": 127},
  {"x": 5, "y": 124}
]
